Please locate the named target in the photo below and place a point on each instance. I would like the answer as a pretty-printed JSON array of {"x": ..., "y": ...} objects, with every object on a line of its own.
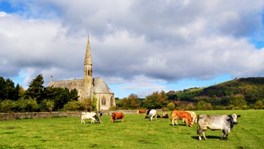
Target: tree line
[
  {"x": 13, "y": 98},
  {"x": 245, "y": 93}
]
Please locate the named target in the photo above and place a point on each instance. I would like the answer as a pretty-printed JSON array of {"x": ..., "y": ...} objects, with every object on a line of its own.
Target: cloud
[{"x": 160, "y": 40}]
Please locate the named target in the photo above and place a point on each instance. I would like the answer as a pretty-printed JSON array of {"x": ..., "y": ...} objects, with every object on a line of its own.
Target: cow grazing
[
  {"x": 165, "y": 115},
  {"x": 193, "y": 115},
  {"x": 151, "y": 113},
  {"x": 180, "y": 115},
  {"x": 90, "y": 115},
  {"x": 140, "y": 111},
  {"x": 216, "y": 122},
  {"x": 117, "y": 115}
]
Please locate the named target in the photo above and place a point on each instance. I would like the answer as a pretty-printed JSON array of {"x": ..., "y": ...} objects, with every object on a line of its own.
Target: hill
[{"x": 237, "y": 93}]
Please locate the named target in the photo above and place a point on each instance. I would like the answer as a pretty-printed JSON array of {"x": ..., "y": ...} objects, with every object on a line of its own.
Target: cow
[
  {"x": 139, "y": 111},
  {"x": 90, "y": 115},
  {"x": 151, "y": 113},
  {"x": 216, "y": 122},
  {"x": 180, "y": 115},
  {"x": 165, "y": 115},
  {"x": 193, "y": 115},
  {"x": 117, "y": 115}
]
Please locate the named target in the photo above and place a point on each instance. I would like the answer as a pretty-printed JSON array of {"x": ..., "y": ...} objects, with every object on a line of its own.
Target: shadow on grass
[
  {"x": 179, "y": 125},
  {"x": 208, "y": 137}
]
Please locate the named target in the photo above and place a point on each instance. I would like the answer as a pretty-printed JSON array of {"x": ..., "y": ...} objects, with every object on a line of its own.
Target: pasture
[{"x": 135, "y": 132}]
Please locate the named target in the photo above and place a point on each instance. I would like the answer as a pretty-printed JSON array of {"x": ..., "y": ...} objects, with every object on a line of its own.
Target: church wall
[{"x": 105, "y": 101}]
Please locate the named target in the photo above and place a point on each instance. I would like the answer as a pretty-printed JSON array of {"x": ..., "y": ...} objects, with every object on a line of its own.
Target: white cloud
[{"x": 160, "y": 40}]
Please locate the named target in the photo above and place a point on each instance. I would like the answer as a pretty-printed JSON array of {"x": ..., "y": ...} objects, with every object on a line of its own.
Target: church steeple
[
  {"x": 88, "y": 61},
  {"x": 88, "y": 58},
  {"x": 88, "y": 77}
]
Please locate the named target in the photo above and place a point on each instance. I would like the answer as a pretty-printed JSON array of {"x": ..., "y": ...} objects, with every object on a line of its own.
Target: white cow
[
  {"x": 216, "y": 122},
  {"x": 151, "y": 113},
  {"x": 89, "y": 115}
]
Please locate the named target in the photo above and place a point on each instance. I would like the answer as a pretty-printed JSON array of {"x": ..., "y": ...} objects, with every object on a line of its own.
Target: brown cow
[
  {"x": 179, "y": 115},
  {"x": 117, "y": 115},
  {"x": 139, "y": 111}
]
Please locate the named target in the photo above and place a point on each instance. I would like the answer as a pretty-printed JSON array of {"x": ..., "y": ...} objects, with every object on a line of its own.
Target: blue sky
[{"x": 137, "y": 46}]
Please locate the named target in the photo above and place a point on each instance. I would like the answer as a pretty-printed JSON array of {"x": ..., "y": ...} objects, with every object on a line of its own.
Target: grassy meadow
[{"x": 135, "y": 132}]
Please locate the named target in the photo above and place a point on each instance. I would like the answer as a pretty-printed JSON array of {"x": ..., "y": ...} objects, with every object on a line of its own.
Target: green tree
[
  {"x": 156, "y": 100},
  {"x": 171, "y": 106},
  {"x": 131, "y": 102},
  {"x": 36, "y": 88},
  {"x": 237, "y": 102},
  {"x": 8, "y": 90},
  {"x": 259, "y": 104}
]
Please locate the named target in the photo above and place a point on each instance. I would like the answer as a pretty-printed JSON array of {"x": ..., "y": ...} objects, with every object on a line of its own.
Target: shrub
[
  {"x": 31, "y": 105},
  {"x": 259, "y": 104},
  {"x": 7, "y": 106},
  {"x": 73, "y": 106},
  {"x": 47, "y": 105},
  {"x": 171, "y": 106}
]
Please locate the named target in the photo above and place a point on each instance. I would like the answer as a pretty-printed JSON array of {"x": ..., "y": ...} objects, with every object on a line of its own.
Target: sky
[{"x": 137, "y": 46}]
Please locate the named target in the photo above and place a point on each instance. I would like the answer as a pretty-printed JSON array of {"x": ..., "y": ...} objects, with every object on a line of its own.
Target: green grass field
[{"x": 135, "y": 132}]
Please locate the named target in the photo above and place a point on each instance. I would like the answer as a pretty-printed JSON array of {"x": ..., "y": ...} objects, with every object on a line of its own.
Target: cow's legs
[
  {"x": 200, "y": 133},
  {"x": 204, "y": 135},
  {"x": 176, "y": 122},
  {"x": 224, "y": 134}
]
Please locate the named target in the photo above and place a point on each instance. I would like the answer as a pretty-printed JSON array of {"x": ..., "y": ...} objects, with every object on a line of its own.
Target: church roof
[
  {"x": 70, "y": 84},
  {"x": 101, "y": 87}
]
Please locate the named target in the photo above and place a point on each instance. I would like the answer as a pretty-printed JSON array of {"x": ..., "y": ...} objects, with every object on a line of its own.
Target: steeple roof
[{"x": 88, "y": 57}]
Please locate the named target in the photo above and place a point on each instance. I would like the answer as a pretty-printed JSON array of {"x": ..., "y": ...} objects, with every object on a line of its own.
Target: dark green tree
[
  {"x": 36, "y": 88},
  {"x": 8, "y": 90}
]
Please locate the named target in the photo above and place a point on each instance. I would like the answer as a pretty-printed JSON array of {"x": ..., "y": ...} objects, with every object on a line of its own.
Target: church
[{"x": 89, "y": 87}]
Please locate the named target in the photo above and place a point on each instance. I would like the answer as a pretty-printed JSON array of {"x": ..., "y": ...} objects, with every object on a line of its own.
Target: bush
[
  {"x": 47, "y": 105},
  {"x": 259, "y": 104},
  {"x": 202, "y": 105},
  {"x": 7, "y": 106},
  {"x": 88, "y": 104},
  {"x": 73, "y": 106},
  {"x": 32, "y": 105},
  {"x": 171, "y": 106}
]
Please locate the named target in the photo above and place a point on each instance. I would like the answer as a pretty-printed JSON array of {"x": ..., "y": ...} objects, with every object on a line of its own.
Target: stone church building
[{"x": 89, "y": 87}]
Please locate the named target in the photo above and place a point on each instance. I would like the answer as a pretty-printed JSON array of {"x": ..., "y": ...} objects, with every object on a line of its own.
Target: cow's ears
[{"x": 238, "y": 115}]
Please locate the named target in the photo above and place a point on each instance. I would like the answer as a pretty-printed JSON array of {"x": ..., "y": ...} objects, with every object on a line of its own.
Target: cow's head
[
  {"x": 97, "y": 119},
  {"x": 99, "y": 113},
  {"x": 233, "y": 119}
]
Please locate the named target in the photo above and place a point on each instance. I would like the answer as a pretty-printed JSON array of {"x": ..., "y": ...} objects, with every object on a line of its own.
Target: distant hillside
[{"x": 237, "y": 92}]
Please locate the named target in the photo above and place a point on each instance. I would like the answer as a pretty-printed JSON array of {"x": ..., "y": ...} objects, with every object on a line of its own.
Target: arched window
[{"x": 103, "y": 100}]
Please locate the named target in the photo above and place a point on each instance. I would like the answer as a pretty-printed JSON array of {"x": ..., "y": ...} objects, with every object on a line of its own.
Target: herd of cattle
[{"x": 204, "y": 121}]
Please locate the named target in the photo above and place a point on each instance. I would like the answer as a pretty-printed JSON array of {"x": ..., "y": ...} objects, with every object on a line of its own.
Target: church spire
[{"x": 88, "y": 58}]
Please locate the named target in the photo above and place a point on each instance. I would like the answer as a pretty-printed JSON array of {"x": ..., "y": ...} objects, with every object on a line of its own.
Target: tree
[
  {"x": 156, "y": 100},
  {"x": 8, "y": 90},
  {"x": 36, "y": 88},
  {"x": 237, "y": 102},
  {"x": 131, "y": 102}
]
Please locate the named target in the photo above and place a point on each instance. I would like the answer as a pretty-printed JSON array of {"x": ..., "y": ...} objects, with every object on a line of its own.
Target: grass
[{"x": 135, "y": 132}]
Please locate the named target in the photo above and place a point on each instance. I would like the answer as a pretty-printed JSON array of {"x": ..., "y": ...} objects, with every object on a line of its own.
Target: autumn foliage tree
[
  {"x": 131, "y": 102},
  {"x": 156, "y": 100}
]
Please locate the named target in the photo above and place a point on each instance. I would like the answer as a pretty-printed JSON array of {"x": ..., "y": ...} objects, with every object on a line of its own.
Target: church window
[{"x": 103, "y": 101}]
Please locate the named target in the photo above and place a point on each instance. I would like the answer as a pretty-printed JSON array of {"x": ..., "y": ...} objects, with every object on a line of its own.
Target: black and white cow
[
  {"x": 216, "y": 122},
  {"x": 94, "y": 116},
  {"x": 151, "y": 113}
]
